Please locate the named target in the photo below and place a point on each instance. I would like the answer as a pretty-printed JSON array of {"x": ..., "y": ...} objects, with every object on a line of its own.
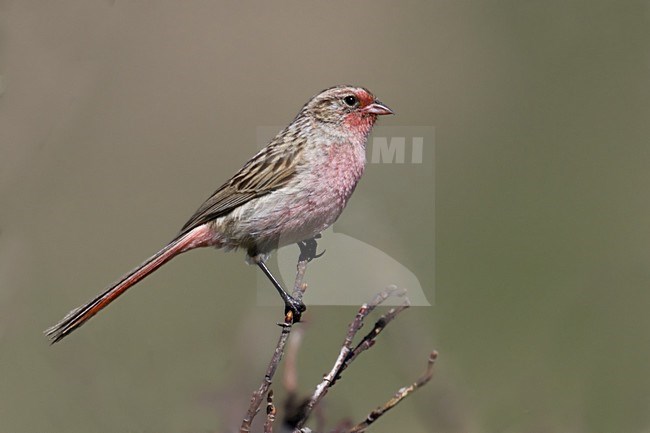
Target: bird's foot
[
  {"x": 293, "y": 309},
  {"x": 308, "y": 249}
]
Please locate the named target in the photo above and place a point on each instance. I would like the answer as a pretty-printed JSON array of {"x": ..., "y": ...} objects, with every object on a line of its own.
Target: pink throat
[{"x": 360, "y": 124}]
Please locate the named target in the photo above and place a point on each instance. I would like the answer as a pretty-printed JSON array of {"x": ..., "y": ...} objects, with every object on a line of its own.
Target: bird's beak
[{"x": 377, "y": 108}]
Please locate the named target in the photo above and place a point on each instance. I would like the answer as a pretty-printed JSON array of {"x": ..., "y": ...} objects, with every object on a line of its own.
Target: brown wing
[{"x": 270, "y": 169}]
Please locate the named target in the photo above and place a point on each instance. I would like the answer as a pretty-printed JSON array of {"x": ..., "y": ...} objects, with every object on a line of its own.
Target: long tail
[{"x": 198, "y": 237}]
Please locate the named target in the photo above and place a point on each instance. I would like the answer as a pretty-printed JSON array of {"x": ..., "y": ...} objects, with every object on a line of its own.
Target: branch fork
[{"x": 300, "y": 411}]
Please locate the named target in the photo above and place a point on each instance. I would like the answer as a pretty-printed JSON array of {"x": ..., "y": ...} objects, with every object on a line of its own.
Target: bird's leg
[
  {"x": 307, "y": 254},
  {"x": 290, "y": 303}
]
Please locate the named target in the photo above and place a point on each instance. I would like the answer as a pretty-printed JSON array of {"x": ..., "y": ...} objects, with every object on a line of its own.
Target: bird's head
[{"x": 347, "y": 106}]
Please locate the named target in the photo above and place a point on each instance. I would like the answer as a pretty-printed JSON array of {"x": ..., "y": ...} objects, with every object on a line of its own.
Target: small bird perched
[{"x": 290, "y": 191}]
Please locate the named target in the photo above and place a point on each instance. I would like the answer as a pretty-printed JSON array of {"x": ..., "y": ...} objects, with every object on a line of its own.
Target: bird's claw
[
  {"x": 308, "y": 249},
  {"x": 294, "y": 308}
]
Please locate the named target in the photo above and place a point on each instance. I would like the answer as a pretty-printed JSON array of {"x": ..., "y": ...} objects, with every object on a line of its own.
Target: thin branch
[
  {"x": 299, "y": 411},
  {"x": 342, "y": 361},
  {"x": 258, "y": 396},
  {"x": 299, "y": 285},
  {"x": 256, "y": 399},
  {"x": 369, "y": 339},
  {"x": 270, "y": 413},
  {"x": 400, "y": 395}
]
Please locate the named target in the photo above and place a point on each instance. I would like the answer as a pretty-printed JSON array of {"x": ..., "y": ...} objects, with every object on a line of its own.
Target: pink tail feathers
[{"x": 199, "y": 237}]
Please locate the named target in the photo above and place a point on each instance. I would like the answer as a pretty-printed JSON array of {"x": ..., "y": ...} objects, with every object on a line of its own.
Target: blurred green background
[{"x": 117, "y": 118}]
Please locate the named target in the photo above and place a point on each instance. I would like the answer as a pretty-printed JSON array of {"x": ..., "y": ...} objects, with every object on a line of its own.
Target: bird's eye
[{"x": 351, "y": 100}]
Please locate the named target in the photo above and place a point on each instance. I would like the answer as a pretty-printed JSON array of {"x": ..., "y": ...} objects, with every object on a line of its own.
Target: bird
[{"x": 291, "y": 190}]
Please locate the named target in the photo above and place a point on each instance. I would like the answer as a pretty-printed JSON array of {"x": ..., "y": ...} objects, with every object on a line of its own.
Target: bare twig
[
  {"x": 369, "y": 339},
  {"x": 343, "y": 359},
  {"x": 256, "y": 399},
  {"x": 400, "y": 395},
  {"x": 270, "y": 413},
  {"x": 298, "y": 410},
  {"x": 299, "y": 285}
]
